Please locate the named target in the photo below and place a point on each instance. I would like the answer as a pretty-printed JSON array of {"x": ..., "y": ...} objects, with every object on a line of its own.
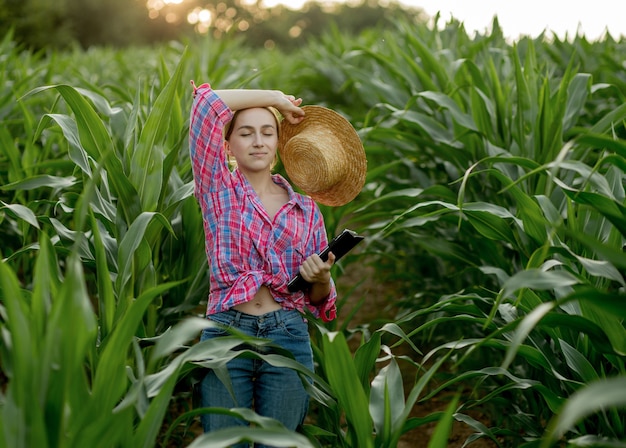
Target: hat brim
[{"x": 303, "y": 167}]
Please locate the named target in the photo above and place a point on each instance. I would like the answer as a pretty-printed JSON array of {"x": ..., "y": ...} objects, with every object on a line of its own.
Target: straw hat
[{"x": 324, "y": 156}]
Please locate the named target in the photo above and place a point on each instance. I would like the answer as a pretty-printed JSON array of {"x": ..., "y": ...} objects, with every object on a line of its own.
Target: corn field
[{"x": 495, "y": 223}]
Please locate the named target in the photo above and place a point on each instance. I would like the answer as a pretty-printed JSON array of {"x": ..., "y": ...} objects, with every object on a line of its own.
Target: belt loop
[
  {"x": 237, "y": 317},
  {"x": 277, "y": 316}
]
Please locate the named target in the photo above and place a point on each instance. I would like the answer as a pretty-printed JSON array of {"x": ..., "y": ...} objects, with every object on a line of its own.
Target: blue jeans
[{"x": 275, "y": 392}]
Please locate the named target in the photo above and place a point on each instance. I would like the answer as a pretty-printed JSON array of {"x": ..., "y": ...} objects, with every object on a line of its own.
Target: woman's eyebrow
[{"x": 250, "y": 127}]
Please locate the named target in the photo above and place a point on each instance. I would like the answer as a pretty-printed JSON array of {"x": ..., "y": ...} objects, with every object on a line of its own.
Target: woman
[{"x": 259, "y": 234}]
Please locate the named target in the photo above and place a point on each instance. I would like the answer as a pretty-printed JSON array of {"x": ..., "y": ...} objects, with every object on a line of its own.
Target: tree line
[{"x": 63, "y": 24}]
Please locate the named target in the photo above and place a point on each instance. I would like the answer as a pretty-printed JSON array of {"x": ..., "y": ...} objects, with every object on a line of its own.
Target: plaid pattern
[{"x": 244, "y": 247}]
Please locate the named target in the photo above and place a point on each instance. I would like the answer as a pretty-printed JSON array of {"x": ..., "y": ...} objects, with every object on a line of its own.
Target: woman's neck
[
  {"x": 271, "y": 195},
  {"x": 261, "y": 181}
]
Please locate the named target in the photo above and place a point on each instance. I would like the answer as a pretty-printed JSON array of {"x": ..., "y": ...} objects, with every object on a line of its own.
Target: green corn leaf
[
  {"x": 604, "y": 250},
  {"x": 611, "y": 303},
  {"x": 542, "y": 317},
  {"x": 603, "y": 141},
  {"x": 427, "y": 125},
  {"x": 607, "y": 121},
  {"x": 480, "y": 428},
  {"x": 47, "y": 286},
  {"x": 175, "y": 338},
  {"x": 96, "y": 141},
  {"x": 412, "y": 398},
  {"x": 444, "y": 426},
  {"x": 446, "y": 102},
  {"x": 592, "y": 441},
  {"x": 93, "y": 135},
  {"x": 581, "y": 324},
  {"x": 596, "y": 396},
  {"x": 107, "y": 300},
  {"x": 538, "y": 279},
  {"x": 578, "y": 363},
  {"x": 41, "y": 181},
  {"x": 577, "y": 94},
  {"x": 109, "y": 382},
  {"x": 70, "y": 131},
  {"x": 534, "y": 222},
  {"x": 394, "y": 329},
  {"x": 147, "y": 160},
  {"x": 600, "y": 268},
  {"x": 21, "y": 212},
  {"x": 99, "y": 101},
  {"x": 490, "y": 225},
  {"x": 130, "y": 244},
  {"x": 365, "y": 359},
  {"x": 11, "y": 152},
  {"x": 344, "y": 380},
  {"x": 610, "y": 209},
  {"x": 70, "y": 346},
  {"x": 524, "y": 328},
  {"x": 150, "y": 426},
  {"x": 387, "y": 401},
  {"x": 23, "y": 419},
  {"x": 612, "y": 325},
  {"x": 225, "y": 438},
  {"x": 429, "y": 59}
]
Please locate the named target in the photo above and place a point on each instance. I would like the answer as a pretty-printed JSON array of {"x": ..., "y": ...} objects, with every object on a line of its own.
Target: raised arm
[{"x": 287, "y": 105}]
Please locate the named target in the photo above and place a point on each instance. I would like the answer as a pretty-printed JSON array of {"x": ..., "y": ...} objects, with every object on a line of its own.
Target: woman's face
[{"x": 253, "y": 139}]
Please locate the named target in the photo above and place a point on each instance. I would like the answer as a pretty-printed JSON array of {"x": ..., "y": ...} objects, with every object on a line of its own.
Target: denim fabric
[{"x": 271, "y": 391}]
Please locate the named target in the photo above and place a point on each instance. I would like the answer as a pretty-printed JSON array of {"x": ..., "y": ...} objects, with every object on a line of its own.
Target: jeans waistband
[{"x": 271, "y": 318}]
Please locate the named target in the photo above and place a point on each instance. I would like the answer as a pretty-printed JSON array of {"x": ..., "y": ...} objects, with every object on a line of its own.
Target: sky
[{"x": 525, "y": 17}]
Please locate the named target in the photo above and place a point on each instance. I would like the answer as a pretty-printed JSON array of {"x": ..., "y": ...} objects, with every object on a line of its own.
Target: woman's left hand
[
  {"x": 289, "y": 106},
  {"x": 314, "y": 270}
]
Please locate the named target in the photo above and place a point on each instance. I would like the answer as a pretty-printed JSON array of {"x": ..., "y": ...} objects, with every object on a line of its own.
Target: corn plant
[{"x": 369, "y": 406}]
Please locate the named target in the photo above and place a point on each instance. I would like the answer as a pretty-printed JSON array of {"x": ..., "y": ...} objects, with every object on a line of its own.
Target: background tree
[{"x": 39, "y": 24}]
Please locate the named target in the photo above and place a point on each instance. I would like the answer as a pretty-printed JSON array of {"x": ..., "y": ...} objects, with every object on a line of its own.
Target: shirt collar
[{"x": 293, "y": 196}]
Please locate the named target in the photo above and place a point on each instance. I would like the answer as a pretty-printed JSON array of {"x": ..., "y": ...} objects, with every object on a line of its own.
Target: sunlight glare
[
  {"x": 293, "y": 4},
  {"x": 155, "y": 5},
  {"x": 296, "y": 4},
  {"x": 201, "y": 19}
]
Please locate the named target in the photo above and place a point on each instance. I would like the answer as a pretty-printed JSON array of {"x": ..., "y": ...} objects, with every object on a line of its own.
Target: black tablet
[{"x": 340, "y": 245}]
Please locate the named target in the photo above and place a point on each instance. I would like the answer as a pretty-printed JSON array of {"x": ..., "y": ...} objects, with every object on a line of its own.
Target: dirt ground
[{"x": 420, "y": 436}]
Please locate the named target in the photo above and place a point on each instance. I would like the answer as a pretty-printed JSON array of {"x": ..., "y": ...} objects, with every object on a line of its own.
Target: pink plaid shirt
[{"x": 245, "y": 248}]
